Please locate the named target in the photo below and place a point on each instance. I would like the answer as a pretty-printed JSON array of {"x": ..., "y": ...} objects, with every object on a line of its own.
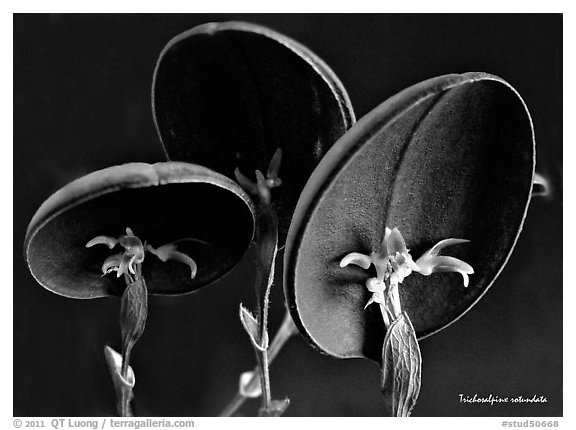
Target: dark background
[{"x": 82, "y": 102}]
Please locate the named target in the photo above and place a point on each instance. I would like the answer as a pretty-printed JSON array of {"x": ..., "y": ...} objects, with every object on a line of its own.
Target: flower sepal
[
  {"x": 430, "y": 262},
  {"x": 394, "y": 263},
  {"x": 264, "y": 184}
]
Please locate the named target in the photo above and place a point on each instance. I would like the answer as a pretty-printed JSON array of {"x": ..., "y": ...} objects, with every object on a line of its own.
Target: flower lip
[
  {"x": 164, "y": 201},
  {"x": 129, "y": 241}
]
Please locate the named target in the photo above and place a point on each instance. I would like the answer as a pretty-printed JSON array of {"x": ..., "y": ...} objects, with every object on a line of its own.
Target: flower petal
[
  {"x": 162, "y": 252},
  {"x": 369, "y": 302},
  {"x": 262, "y": 184},
  {"x": 274, "y": 166},
  {"x": 137, "y": 258},
  {"x": 395, "y": 242},
  {"x": 249, "y": 186},
  {"x": 465, "y": 277},
  {"x": 364, "y": 261},
  {"x": 383, "y": 251},
  {"x": 443, "y": 244},
  {"x": 183, "y": 258},
  {"x": 110, "y": 242},
  {"x": 111, "y": 264},
  {"x": 431, "y": 264},
  {"x": 169, "y": 252}
]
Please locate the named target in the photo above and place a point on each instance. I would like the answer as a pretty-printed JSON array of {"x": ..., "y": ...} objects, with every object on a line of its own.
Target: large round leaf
[
  {"x": 226, "y": 95},
  {"x": 451, "y": 157},
  {"x": 161, "y": 203}
]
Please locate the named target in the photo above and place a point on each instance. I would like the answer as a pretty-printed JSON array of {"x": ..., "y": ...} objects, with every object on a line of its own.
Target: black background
[{"x": 82, "y": 102}]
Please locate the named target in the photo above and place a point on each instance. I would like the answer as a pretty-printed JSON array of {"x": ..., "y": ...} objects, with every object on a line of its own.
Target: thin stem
[
  {"x": 286, "y": 331},
  {"x": 266, "y": 240},
  {"x": 235, "y": 404},
  {"x": 264, "y": 379},
  {"x": 385, "y": 316},
  {"x": 125, "y": 361},
  {"x": 125, "y": 409},
  {"x": 122, "y": 386},
  {"x": 267, "y": 246}
]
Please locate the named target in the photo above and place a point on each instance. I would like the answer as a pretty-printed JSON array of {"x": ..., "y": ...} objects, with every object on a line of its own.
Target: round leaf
[
  {"x": 227, "y": 95},
  {"x": 210, "y": 217},
  {"x": 451, "y": 157}
]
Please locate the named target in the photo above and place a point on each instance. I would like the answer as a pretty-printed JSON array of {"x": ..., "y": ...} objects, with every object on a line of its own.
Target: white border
[{"x": 357, "y": 6}]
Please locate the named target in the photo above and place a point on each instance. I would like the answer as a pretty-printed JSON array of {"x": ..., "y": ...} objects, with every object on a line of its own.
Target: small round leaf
[
  {"x": 209, "y": 217},
  {"x": 227, "y": 95}
]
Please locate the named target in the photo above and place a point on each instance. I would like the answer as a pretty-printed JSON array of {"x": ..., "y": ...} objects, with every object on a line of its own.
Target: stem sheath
[
  {"x": 133, "y": 315},
  {"x": 286, "y": 331}
]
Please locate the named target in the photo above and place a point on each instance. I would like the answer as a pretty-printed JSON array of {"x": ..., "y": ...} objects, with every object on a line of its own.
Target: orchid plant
[
  {"x": 301, "y": 106},
  {"x": 266, "y": 240},
  {"x": 64, "y": 247},
  {"x": 392, "y": 260},
  {"x": 401, "y": 357},
  {"x": 134, "y": 305}
]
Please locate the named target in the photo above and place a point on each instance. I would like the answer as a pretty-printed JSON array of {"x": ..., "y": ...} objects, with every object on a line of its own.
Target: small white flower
[
  {"x": 125, "y": 263},
  {"x": 263, "y": 185},
  {"x": 170, "y": 252},
  {"x": 393, "y": 263}
]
